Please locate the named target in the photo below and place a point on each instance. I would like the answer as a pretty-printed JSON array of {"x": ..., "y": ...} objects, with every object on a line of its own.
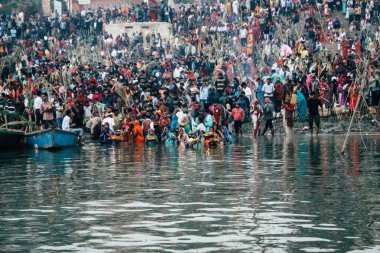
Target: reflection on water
[{"x": 277, "y": 195}]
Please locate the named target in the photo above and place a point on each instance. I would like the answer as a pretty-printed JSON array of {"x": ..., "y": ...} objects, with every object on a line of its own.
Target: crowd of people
[{"x": 227, "y": 64}]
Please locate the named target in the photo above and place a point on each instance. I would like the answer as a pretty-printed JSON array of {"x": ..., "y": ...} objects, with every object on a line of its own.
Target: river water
[{"x": 268, "y": 195}]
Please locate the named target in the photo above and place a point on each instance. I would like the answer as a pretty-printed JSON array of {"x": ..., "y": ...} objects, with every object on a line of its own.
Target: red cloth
[
  {"x": 357, "y": 47},
  {"x": 97, "y": 96},
  {"x": 345, "y": 49},
  {"x": 92, "y": 82},
  {"x": 217, "y": 112}
]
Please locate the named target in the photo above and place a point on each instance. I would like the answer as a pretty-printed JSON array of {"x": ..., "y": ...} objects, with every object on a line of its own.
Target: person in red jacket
[
  {"x": 238, "y": 115},
  {"x": 217, "y": 112}
]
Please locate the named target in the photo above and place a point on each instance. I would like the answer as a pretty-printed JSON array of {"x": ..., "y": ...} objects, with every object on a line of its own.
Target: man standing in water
[
  {"x": 312, "y": 104},
  {"x": 268, "y": 114},
  {"x": 238, "y": 114}
]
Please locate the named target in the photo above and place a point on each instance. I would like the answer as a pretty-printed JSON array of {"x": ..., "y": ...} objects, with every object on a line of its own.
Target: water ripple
[{"x": 268, "y": 195}]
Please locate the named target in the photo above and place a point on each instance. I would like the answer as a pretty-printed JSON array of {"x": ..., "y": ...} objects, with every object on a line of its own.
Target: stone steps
[{"x": 333, "y": 47}]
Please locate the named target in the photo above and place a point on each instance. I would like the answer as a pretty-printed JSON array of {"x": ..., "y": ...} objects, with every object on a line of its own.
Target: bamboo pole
[
  {"x": 363, "y": 79},
  {"x": 349, "y": 127}
]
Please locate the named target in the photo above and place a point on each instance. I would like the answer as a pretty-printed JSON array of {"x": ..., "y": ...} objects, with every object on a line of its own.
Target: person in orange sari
[
  {"x": 353, "y": 92},
  {"x": 137, "y": 131}
]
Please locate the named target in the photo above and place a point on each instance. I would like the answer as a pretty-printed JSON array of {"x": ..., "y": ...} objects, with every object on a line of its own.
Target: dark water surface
[{"x": 270, "y": 195}]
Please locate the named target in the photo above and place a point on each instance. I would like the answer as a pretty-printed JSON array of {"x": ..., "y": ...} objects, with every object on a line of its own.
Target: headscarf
[
  {"x": 186, "y": 137},
  {"x": 140, "y": 136},
  {"x": 208, "y": 122},
  {"x": 163, "y": 132},
  {"x": 168, "y": 138},
  {"x": 137, "y": 124}
]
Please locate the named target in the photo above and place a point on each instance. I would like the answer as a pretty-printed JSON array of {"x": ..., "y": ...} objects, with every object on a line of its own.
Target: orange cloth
[{"x": 137, "y": 129}]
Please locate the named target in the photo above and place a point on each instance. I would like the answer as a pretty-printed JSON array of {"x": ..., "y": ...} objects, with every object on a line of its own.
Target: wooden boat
[
  {"x": 12, "y": 128},
  {"x": 51, "y": 139},
  {"x": 11, "y": 138}
]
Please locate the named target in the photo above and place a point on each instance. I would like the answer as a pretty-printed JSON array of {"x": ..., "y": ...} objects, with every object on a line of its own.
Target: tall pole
[
  {"x": 363, "y": 77},
  {"x": 349, "y": 127}
]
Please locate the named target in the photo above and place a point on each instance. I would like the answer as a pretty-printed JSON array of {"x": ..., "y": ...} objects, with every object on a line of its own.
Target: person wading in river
[
  {"x": 238, "y": 114},
  {"x": 288, "y": 116},
  {"x": 312, "y": 104},
  {"x": 256, "y": 113},
  {"x": 268, "y": 114}
]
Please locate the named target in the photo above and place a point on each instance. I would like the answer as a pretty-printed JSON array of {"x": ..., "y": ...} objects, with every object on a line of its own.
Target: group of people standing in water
[
  {"x": 227, "y": 66},
  {"x": 181, "y": 128}
]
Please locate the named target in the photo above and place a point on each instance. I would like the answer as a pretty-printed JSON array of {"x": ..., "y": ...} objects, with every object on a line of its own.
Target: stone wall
[
  {"x": 111, "y": 3},
  {"x": 165, "y": 29},
  {"x": 122, "y": 3}
]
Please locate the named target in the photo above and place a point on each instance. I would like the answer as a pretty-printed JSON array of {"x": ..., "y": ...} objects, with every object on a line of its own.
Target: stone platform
[{"x": 165, "y": 29}]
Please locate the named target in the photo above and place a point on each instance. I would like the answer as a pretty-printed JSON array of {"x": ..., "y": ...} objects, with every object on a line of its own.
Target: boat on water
[
  {"x": 51, "y": 139},
  {"x": 12, "y": 128},
  {"x": 11, "y": 138}
]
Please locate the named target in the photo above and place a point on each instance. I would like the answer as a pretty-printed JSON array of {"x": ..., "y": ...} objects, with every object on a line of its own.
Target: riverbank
[{"x": 329, "y": 125}]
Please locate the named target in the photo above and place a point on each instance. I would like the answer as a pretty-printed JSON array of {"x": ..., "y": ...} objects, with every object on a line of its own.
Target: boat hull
[
  {"x": 10, "y": 139},
  {"x": 51, "y": 138}
]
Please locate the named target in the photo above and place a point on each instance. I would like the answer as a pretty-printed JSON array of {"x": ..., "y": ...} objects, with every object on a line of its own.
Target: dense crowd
[{"x": 226, "y": 65}]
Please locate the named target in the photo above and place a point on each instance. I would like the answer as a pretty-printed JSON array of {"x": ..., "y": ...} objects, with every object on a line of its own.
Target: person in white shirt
[
  {"x": 268, "y": 88},
  {"x": 203, "y": 94},
  {"x": 243, "y": 36},
  {"x": 87, "y": 111},
  {"x": 37, "y": 107},
  {"x": 91, "y": 95},
  {"x": 193, "y": 50},
  {"x": 247, "y": 91},
  {"x": 235, "y": 7},
  {"x": 67, "y": 126},
  {"x": 200, "y": 127},
  {"x": 66, "y": 121},
  {"x": 110, "y": 121},
  {"x": 177, "y": 72}
]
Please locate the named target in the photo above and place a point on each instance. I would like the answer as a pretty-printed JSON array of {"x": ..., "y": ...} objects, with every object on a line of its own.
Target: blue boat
[{"x": 51, "y": 139}]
